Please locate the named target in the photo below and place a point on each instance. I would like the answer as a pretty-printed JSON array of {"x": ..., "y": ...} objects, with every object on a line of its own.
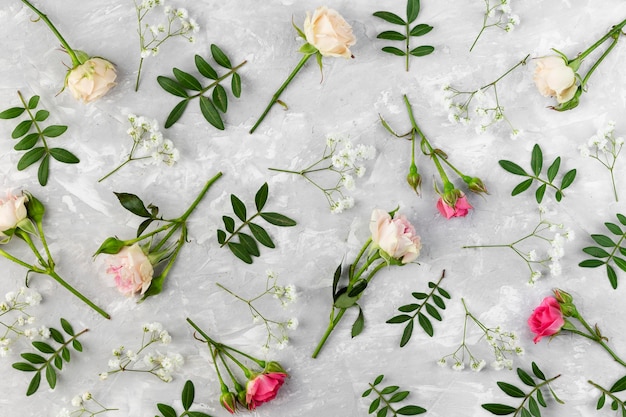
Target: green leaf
[
  {"x": 277, "y": 219},
  {"x": 261, "y": 235},
  {"x": 391, "y": 18},
  {"x": 172, "y": 86},
  {"x": 12, "y": 113},
  {"x": 166, "y": 410},
  {"x": 408, "y": 308},
  {"x": 41, "y": 115},
  {"x": 536, "y": 160},
  {"x": 601, "y": 402},
  {"x": 260, "y": 197},
  {"x": 44, "y": 170},
  {"x": 603, "y": 240},
  {"x": 558, "y": 196},
  {"x": 229, "y": 223},
  {"x": 389, "y": 389},
  {"x": 512, "y": 167},
  {"x": 366, "y": 393},
  {"x": 568, "y": 179},
  {"x": 406, "y": 334},
  {"x": 336, "y": 278},
  {"x": 197, "y": 414},
  {"x": 27, "y": 142},
  {"x": 522, "y": 186},
  {"x": 378, "y": 379},
  {"x": 25, "y": 367},
  {"x": 511, "y": 390},
  {"x": 187, "y": 80},
  {"x": 412, "y": 10},
  {"x": 235, "y": 84},
  {"x": 525, "y": 378},
  {"x": 34, "y": 384},
  {"x": 143, "y": 226},
  {"x": 308, "y": 49},
  {"x": 188, "y": 395},
  {"x": 43, "y": 347},
  {"x": 540, "y": 193},
  {"x": 51, "y": 376},
  {"x": 54, "y": 131},
  {"x": 425, "y": 323},
  {"x": 358, "y": 288},
  {"x": 444, "y": 293},
  {"x": 220, "y": 98},
  {"x": 204, "y": 68},
  {"x": 610, "y": 273},
  {"x": 238, "y": 207},
  {"x": 438, "y": 301},
  {"x": 345, "y": 301},
  {"x": 65, "y": 354},
  {"x": 398, "y": 396},
  {"x": 21, "y": 129},
  {"x": 220, "y": 57},
  {"x": 613, "y": 228},
  {"x": 596, "y": 252},
  {"x": 77, "y": 345},
  {"x": 540, "y": 399},
  {"x": 250, "y": 244},
  {"x": 433, "y": 312},
  {"x": 374, "y": 405},
  {"x": 591, "y": 263},
  {"x": 399, "y": 319},
  {"x": 359, "y": 324},
  {"x": 621, "y": 263},
  {"x": 538, "y": 373},
  {"x": 525, "y": 413},
  {"x": 383, "y": 411},
  {"x": 33, "y": 102},
  {"x": 419, "y": 295},
  {"x": 393, "y": 50},
  {"x": 133, "y": 204},
  {"x": 240, "y": 252},
  {"x": 554, "y": 169},
  {"x": 57, "y": 335},
  {"x": 420, "y": 30},
  {"x": 210, "y": 113},
  {"x": 410, "y": 410},
  {"x": 621, "y": 218},
  {"x": 499, "y": 409},
  {"x": 422, "y": 50},
  {"x": 32, "y": 358},
  {"x": 63, "y": 155},
  {"x": 619, "y": 385},
  {"x": 391, "y": 35},
  {"x": 533, "y": 407},
  {"x": 176, "y": 113},
  {"x": 221, "y": 236},
  {"x": 58, "y": 362}
]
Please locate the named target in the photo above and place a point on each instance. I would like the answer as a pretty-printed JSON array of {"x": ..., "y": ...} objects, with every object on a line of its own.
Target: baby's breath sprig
[
  {"x": 486, "y": 106},
  {"x": 13, "y": 318},
  {"x": 502, "y": 343},
  {"x": 151, "y": 37},
  {"x": 276, "y": 330},
  {"x": 155, "y": 363},
  {"x": 147, "y": 138},
  {"x": 85, "y": 406},
  {"x": 498, "y": 14},
  {"x": 344, "y": 159},
  {"x": 605, "y": 148},
  {"x": 533, "y": 260}
]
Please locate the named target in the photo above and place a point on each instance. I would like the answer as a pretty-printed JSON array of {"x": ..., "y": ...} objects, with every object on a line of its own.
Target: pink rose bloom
[
  {"x": 547, "y": 319},
  {"x": 132, "y": 270},
  {"x": 12, "y": 211},
  {"x": 263, "y": 388},
  {"x": 460, "y": 209},
  {"x": 396, "y": 237}
]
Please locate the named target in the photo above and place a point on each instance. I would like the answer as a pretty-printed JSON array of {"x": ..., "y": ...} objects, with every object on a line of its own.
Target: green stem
[
  {"x": 217, "y": 370},
  {"x": 75, "y": 61},
  {"x": 406, "y": 52},
  {"x": 32, "y": 117},
  {"x": 200, "y": 196},
  {"x": 617, "y": 28},
  {"x": 276, "y": 95},
  {"x": 138, "y": 75},
  {"x": 522, "y": 62},
  {"x": 358, "y": 257},
  {"x": 71, "y": 289},
  {"x": 26, "y": 237},
  {"x": 329, "y": 329},
  {"x": 217, "y": 81},
  {"x": 60, "y": 349},
  {"x": 583, "y": 83},
  {"x": 597, "y": 338},
  {"x": 609, "y": 393},
  {"x": 22, "y": 263},
  {"x": 115, "y": 170},
  {"x": 244, "y": 224}
]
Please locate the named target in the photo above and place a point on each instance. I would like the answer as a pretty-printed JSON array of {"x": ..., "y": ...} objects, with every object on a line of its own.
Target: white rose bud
[
  {"x": 328, "y": 31},
  {"x": 91, "y": 80},
  {"x": 555, "y": 79}
]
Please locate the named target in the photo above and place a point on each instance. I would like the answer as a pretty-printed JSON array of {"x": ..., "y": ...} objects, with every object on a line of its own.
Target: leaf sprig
[
  {"x": 536, "y": 163},
  {"x": 530, "y": 405},
  {"x": 189, "y": 87},
  {"x": 412, "y": 11},
  {"x": 187, "y": 397},
  {"x": 38, "y": 364},
  {"x": 29, "y": 140},
  {"x": 247, "y": 246},
  {"x": 616, "y": 403},
  {"x": 387, "y": 403},
  {"x": 604, "y": 257},
  {"x": 418, "y": 310}
]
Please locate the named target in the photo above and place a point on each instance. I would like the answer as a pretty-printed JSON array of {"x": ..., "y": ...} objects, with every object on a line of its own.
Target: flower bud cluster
[
  {"x": 14, "y": 317},
  {"x": 79, "y": 402},
  {"x": 152, "y": 36},
  {"x": 145, "y": 133}
]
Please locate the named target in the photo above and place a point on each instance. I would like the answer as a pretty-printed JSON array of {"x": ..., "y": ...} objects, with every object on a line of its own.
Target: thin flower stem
[
  {"x": 583, "y": 83},
  {"x": 138, "y": 75},
  {"x": 610, "y": 394},
  {"x": 22, "y": 263},
  {"x": 71, "y": 289},
  {"x": 493, "y": 83},
  {"x": 26, "y": 237},
  {"x": 217, "y": 81},
  {"x": 200, "y": 196},
  {"x": 329, "y": 329},
  {"x": 597, "y": 338},
  {"x": 614, "y": 30},
  {"x": 276, "y": 95},
  {"x": 358, "y": 257},
  {"x": 217, "y": 371}
]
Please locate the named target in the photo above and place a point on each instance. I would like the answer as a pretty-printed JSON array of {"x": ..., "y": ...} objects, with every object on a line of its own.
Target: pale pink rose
[
  {"x": 396, "y": 237},
  {"x": 263, "y": 388},
  {"x": 12, "y": 211},
  {"x": 460, "y": 209},
  {"x": 327, "y": 31},
  {"x": 131, "y": 269},
  {"x": 91, "y": 80},
  {"x": 554, "y": 78},
  {"x": 547, "y": 319}
]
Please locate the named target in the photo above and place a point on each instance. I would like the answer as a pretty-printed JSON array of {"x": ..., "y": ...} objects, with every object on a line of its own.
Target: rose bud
[
  {"x": 229, "y": 402},
  {"x": 91, "y": 80},
  {"x": 554, "y": 78},
  {"x": 414, "y": 179},
  {"x": 547, "y": 319},
  {"x": 329, "y": 33}
]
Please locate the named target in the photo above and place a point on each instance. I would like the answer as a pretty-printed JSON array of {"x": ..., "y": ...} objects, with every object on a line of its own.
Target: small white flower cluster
[
  {"x": 503, "y": 344},
  {"x": 554, "y": 253},
  {"x": 156, "y": 363},
  {"x": 145, "y": 133},
  {"x": 79, "y": 402},
  {"x": 178, "y": 24},
  {"x": 500, "y": 10},
  {"x": 14, "y": 308},
  {"x": 605, "y": 148}
]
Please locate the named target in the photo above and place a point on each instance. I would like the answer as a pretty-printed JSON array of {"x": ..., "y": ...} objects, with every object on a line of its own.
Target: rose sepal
[
  {"x": 26, "y": 225},
  {"x": 111, "y": 246},
  {"x": 571, "y": 103}
]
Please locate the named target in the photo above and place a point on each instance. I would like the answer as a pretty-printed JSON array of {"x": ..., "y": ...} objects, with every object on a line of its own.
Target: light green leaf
[
  {"x": 603, "y": 240},
  {"x": 63, "y": 155},
  {"x": 27, "y": 142},
  {"x": 51, "y": 376},
  {"x": 277, "y": 219},
  {"x": 54, "y": 130},
  {"x": 21, "y": 129},
  {"x": 596, "y": 252},
  {"x": 42, "y": 115},
  {"x": 412, "y": 10},
  {"x": 12, "y": 113},
  {"x": 33, "y": 102}
]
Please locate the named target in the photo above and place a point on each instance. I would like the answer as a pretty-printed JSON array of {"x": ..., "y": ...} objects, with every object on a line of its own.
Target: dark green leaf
[
  {"x": 596, "y": 252},
  {"x": 277, "y": 219},
  {"x": 419, "y": 295},
  {"x": 540, "y": 399},
  {"x": 398, "y": 396},
  {"x": 336, "y": 278},
  {"x": 204, "y": 68},
  {"x": 57, "y": 336},
  {"x": 512, "y": 167},
  {"x": 33, "y": 358},
  {"x": 525, "y": 413},
  {"x": 438, "y": 301},
  {"x": 391, "y": 36},
  {"x": 422, "y": 50},
  {"x": 64, "y": 156},
  {"x": 389, "y": 389},
  {"x": 425, "y": 323},
  {"x": 58, "y": 362},
  {"x": 382, "y": 412},
  {"x": 143, "y": 226},
  {"x": 220, "y": 57},
  {"x": 21, "y": 129},
  {"x": 235, "y": 85},
  {"x": 25, "y": 367},
  {"x": 612, "y": 275},
  {"x": 166, "y": 410},
  {"x": 65, "y": 354},
  {"x": 240, "y": 252},
  {"x": 12, "y": 113},
  {"x": 378, "y": 379},
  {"x": 260, "y": 197},
  {"x": 511, "y": 390},
  {"x": 420, "y": 30},
  {"x": 522, "y": 186},
  {"x": 411, "y": 410},
  {"x": 406, "y": 334},
  {"x": 374, "y": 405},
  {"x": 42, "y": 115},
  {"x": 33, "y": 102},
  {"x": 366, "y": 393},
  {"x": 525, "y": 378},
  {"x": 44, "y": 170},
  {"x": 591, "y": 263},
  {"x": 27, "y": 142},
  {"x": 568, "y": 179},
  {"x": 390, "y": 17},
  {"x": 499, "y": 409},
  {"x": 188, "y": 395},
  {"x": 613, "y": 228},
  {"x": 229, "y": 223},
  {"x": 221, "y": 236},
  {"x": 358, "y": 288},
  {"x": 77, "y": 345},
  {"x": 408, "y": 308},
  {"x": 220, "y": 98},
  {"x": 133, "y": 204},
  {"x": 176, "y": 113},
  {"x": 538, "y": 372},
  {"x": 443, "y": 293},
  {"x": 558, "y": 196},
  {"x": 399, "y": 319},
  {"x": 433, "y": 312},
  {"x": 187, "y": 80},
  {"x": 393, "y": 50},
  {"x": 54, "y": 131},
  {"x": 261, "y": 235},
  {"x": 210, "y": 113},
  {"x": 238, "y": 207},
  {"x": 51, "y": 376},
  {"x": 359, "y": 323},
  {"x": 34, "y": 384},
  {"x": 43, "y": 347},
  {"x": 172, "y": 86},
  {"x": 621, "y": 263},
  {"x": 601, "y": 402},
  {"x": 412, "y": 10},
  {"x": 344, "y": 301},
  {"x": 540, "y": 193},
  {"x": 197, "y": 414},
  {"x": 602, "y": 240},
  {"x": 250, "y": 244},
  {"x": 553, "y": 169},
  {"x": 619, "y": 385},
  {"x": 614, "y": 405},
  {"x": 536, "y": 160},
  {"x": 621, "y": 218}
]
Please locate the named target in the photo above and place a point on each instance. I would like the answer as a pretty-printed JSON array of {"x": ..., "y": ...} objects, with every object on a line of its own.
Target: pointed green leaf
[
  {"x": 391, "y": 18},
  {"x": 261, "y": 235},
  {"x": 344, "y": 301},
  {"x": 220, "y": 98},
  {"x": 536, "y": 160},
  {"x": 172, "y": 86},
  {"x": 422, "y": 50},
  {"x": 444, "y": 293},
  {"x": 591, "y": 263},
  {"x": 538, "y": 372},
  {"x": 358, "y": 288},
  {"x": 25, "y": 367},
  {"x": 426, "y": 324},
  {"x": 166, "y": 410},
  {"x": 187, "y": 80},
  {"x": 143, "y": 226},
  {"x": 621, "y": 263},
  {"x": 438, "y": 301},
  {"x": 540, "y": 399},
  {"x": 540, "y": 193},
  {"x": 612, "y": 275},
  {"x": 406, "y": 334},
  {"x": 77, "y": 346},
  {"x": 534, "y": 407},
  {"x": 366, "y": 393},
  {"x": 220, "y": 57},
  {"x": 399, "y": 319},
  {"x": 57, "y": 335},
  {"x": 619, "y": 385},
  {"x": 398, "y": 396},
  {"x": 229, "y": 223},
  {"x": 408, "y": 308},
  {"x": 512, "y": 167},
  {"x": 383, "y": 411},
  {"x": 33, "y": 102},
  {"x": 188, "y": 395},
  {"x": 433, "y": 312},
  {"x": 54, "y": 131},
  {"x": 554, "y": 169},
  {"x": 420, "y": 30},
  {"x": 260, "y": 197},
  {"x": 601, "y": 402},
  {"x": 308, "y": 49},
  {"x": 64, "y": 156},
  {"x": 525, "y": 413},
  {"x": 389, "y": 389},
  {"x": 238, "y": 207},
  {"x": 596, "y": 252},
  {"x": 391, "y": 35},
  {"x": 613, "y": 228},
  {"x": 51, "y": 376},
  {"x": 21, "y": 129},
  {"x": 250, "y": 244},
  {"x": 43, "y": 347},
  {"x": 240, "y": 252},
  {"x": 277, "y": 219},
  {"x": 374, "y": 405},
  {"x": 603, "y": 240},
  {"x": 210, "y": 113},
  {"x": 44, "y": 170},
  {"x": 221, "y": 236},
  {"x": 499, "y": 409},
  {"x": 133, "y": 204},
  {"x": 32, "y": 358},
  {"x": 359, "y": 324},
  {"x": 410, "y": 410},
  {"x": 204, "y": 68},
  {"x": 525, "y": 378},
  {"x": 412, "y": 10},
  {"x": 27, "y": 142},
  {"x": 419, "y": 295},
  {"x": 65, "y": 354},
  {"x": 336, "y": 278},
  {"x": 558, "y": 196},
  {"x": 568, "y": 179},
  {"x": 176, "y": 113},
  {"x": 378, "y": 379},
  {"x": 621, "y": 218},
  {"x": 58, "y": 362},
  {"x": 393, "y": 50},
  {"x": 34, "y": 384},
  {"x": 235, "y": 85},
  {"x": 42, "y": 115},
  {"x": 511, "y": 390},
  {"x": 12, "y": 113},
  {"x": 522, "y": 186}
]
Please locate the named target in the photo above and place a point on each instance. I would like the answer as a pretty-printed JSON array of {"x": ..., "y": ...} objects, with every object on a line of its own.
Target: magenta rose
[
  {"x": 395, "y": 236},
  {"x": 547, "y": 319},
  {"x": 460, "y": 209},
  {"x": 131, "y": 269},
  {"x": 263, "y": 388}
]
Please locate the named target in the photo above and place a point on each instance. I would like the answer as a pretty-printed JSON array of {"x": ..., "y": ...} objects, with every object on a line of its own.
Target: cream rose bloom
[
  {"x": 555, "y": 79},
  {"x": 329, "y": 32},
  {"x": 396, "y": 237},
  {"x": 12, "y": 211},
  {"x": 131, "y": 269},
  {"x": 91, "y": 80}
]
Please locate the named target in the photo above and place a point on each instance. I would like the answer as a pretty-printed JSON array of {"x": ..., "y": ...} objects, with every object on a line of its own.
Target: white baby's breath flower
[
  {"x": 458, "y": 366},
  {"x": 292, "y": 324},
  {"x": 478, "y": 366},
  {"x": 87, "y": 396},
  {"x": 77, "y": 401},
  {"x": 64, "y": 412},
  {"x": 442, "y": 362},
  {"x": 103, "y": 376},
  {"x": 555, "y": 269},
  {"x": 165, "y": 337}
]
